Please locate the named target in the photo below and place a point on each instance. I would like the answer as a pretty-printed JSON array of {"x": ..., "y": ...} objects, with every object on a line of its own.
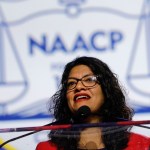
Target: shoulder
[
  {"x": 46, "y": 145},
  {"x": 138, "y": 142},
  {"x": 139, "y": 138}
]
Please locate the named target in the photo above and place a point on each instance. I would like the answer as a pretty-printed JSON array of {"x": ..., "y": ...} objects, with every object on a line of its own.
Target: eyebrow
[{"x": 81, "y": 77}]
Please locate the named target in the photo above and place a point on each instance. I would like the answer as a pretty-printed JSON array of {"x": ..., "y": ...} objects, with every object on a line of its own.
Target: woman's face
[{"x": 92, "y": 97}]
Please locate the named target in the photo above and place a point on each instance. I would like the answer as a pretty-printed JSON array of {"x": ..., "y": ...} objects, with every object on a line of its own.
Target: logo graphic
[
  {"x": 12, "y": 85},
  {"x": 138, "y": 73},
  {"x": 15, "y": 77},
  {"x": 72, "y": 7}
]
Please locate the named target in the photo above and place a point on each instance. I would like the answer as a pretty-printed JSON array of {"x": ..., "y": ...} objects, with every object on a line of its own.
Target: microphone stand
[
  {"x": 135, "y": 123},
  {"x": 146, "y": 127},
  {"x": 82, "y": 113},
  {"x": 27, "y": 134},
  {"x": 18, "y": 137}
]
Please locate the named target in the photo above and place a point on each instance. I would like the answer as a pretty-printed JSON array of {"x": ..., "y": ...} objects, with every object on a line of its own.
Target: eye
[
  {"x": 90, "y": 79},
  {"x": 71, "y": 84}
]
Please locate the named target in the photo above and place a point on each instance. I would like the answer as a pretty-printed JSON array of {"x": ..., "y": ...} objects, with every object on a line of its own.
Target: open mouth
[{"x": 81, "y": 97}]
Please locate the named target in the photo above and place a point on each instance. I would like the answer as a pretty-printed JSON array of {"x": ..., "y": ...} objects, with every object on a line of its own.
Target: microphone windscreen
[{"x": 83, "y": 112}]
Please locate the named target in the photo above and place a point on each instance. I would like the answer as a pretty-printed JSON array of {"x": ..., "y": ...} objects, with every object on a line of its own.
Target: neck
[
  {"x": 91, "y": 138},
  {"x": 93, "y": 119}
]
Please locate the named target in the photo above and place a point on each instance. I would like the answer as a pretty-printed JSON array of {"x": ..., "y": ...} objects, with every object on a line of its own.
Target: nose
[{"x": 80, "y": 86}]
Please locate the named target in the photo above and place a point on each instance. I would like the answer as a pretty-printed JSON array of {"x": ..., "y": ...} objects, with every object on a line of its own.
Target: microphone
[{"x": 82, "y": 113}]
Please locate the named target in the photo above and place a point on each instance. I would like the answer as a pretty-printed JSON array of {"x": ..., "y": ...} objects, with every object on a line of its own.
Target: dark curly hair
[{"x": 113, "y": 109}]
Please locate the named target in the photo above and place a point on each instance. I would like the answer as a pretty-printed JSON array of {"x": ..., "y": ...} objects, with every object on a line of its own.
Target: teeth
[{"x": 81, "y": 97}]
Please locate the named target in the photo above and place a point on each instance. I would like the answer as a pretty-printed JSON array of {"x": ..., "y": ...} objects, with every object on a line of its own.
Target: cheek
[
  {"x": 99, "y": 96},
  {"x": 69, "y": 97}
]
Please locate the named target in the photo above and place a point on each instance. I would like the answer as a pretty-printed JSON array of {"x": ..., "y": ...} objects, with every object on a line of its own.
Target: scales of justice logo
[{"x": 14, "y": 86}]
